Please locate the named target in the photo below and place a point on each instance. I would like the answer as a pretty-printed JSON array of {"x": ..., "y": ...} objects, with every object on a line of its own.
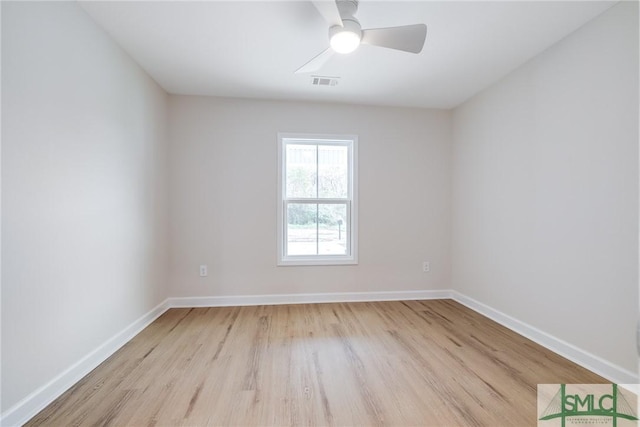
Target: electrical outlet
[
  {"x": 203, "y": 271},
  {"x": 426, "y": 267}
]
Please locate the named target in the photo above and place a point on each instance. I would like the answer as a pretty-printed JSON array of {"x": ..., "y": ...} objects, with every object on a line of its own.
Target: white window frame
[{"x": 351, "y": 258}]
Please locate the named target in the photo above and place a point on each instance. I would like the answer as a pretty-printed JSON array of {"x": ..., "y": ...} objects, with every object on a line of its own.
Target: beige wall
[
  {"x": 545, "y": 190},
  {"x": 223, "y": 197},
  {"x": 84, "y": 206}
]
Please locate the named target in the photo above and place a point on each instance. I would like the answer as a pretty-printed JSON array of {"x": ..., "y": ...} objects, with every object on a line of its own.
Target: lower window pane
[
  {"x": 332, "y": 229},
  {"x": 317, "y": 229},
  {"x": 302, "y": 237}
]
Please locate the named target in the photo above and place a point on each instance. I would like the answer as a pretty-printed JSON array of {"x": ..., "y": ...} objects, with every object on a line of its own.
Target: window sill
[{"x": 309, "y": 262}]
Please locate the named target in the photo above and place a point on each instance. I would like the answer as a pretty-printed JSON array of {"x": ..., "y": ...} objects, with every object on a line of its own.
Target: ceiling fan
[{"x": 345, "y": 33}]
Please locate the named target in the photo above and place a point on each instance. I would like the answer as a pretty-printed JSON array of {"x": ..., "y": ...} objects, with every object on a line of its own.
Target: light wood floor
[{"x": 432, "y": 363}]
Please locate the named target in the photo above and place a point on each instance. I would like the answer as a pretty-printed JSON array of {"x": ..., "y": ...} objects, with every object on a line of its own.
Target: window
[{"x": 317, "y": 203}]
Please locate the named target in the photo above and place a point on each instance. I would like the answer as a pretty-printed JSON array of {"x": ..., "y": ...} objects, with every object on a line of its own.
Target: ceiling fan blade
[
  {"x": 329, "y": 11},
  {"x": 408, "y": 38},
  {"x": 317, "y": 62}
]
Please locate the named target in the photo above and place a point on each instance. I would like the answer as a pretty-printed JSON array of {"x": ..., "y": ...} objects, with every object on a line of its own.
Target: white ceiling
[{"x": 251, "y": 49}]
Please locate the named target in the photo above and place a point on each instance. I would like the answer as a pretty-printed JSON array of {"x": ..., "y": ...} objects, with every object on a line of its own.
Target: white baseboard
[
  {"x": 28, "y": 407},
  {"x": 276, "y": 299},
  {"x": 611, "y": 372}
]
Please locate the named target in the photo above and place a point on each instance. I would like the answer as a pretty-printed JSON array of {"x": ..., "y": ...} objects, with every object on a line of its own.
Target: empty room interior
[{"x": 317, "y": 212}]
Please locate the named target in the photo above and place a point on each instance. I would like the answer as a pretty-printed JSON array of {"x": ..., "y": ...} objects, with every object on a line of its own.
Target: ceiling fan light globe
[
  {"x": 344, "y": 41},
  {"x": 345, "y": 38}
]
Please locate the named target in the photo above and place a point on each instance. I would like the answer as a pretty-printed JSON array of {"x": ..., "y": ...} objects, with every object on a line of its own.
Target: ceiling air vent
[{"x": 324, "y": 80}]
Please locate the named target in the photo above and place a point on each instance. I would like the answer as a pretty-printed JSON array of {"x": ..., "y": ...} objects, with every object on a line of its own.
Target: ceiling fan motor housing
[{"x": 350, "y": 25}]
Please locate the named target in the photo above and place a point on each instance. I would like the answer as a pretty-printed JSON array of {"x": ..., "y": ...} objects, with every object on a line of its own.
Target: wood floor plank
[{"x": 430, "y": 363}]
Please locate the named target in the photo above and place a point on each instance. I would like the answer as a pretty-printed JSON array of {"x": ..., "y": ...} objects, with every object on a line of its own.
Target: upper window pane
[
  {"x": 333, "y": 172},
  {"x": 301, "y": 171}
]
